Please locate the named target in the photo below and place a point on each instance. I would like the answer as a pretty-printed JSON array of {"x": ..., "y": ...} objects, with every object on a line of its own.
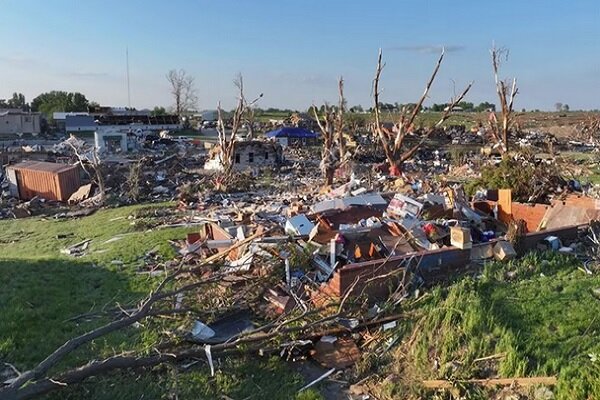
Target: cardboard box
[
  {"x": 461, "y": 237},
  {"x": 503, "y": 250},
  {"x": 482, "y": 251}
]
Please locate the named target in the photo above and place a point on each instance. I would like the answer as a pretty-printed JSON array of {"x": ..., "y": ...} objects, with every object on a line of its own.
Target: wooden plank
[{"x": 531, "y": 381}]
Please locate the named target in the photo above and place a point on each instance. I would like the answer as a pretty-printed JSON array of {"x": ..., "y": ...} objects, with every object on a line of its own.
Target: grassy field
[
  {"x": 527, "y": 120},
  {"x": 537, "y": 315},
  {"x": 42, "y": 288}
]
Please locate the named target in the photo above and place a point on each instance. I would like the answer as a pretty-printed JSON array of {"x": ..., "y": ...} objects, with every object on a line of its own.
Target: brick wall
[{"x": 532, "y": 214}]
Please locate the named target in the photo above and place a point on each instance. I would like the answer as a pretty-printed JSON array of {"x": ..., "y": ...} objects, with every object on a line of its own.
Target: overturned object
[{"x": 51, "y": 181}]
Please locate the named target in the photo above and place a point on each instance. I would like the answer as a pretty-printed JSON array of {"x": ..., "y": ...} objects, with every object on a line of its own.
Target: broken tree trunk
[
  {"x": 499, "y": 129},
  {"x": 227, "y": 142},
  {"x": 393, "y": 142},
  {"x": 331, "y": 125}
]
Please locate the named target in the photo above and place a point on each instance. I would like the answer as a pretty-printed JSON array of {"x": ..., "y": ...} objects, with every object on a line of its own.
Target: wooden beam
[{"x": 531, "y": 381}]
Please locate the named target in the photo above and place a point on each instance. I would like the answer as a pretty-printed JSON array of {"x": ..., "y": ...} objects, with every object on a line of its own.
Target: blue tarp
[{"x": 289, "y": 132}]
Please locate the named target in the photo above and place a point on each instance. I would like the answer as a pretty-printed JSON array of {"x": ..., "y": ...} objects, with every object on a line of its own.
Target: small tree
[
  {"x": 249, "y": 120},
  {"x": 331, "y": 125},
  {"x": 157, "y": 111},
  {"x": 227, "y": 142},
  {"x": 133, "y": 181},
  {"x": 558, "y": 106},
  {"x": 90, "y": 161},
  {"x": 500, "y": 128},
  {"x": 393, "y": 142},
  {"x": 18, "y": 101},
  {"x": 183, "y": 91}
]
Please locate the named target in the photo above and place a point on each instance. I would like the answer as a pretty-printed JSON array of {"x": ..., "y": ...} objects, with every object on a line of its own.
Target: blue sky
[{"x": 293, "y": 51}]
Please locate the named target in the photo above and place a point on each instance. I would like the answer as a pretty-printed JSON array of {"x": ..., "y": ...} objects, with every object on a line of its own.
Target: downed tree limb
[
  {"x": 145, "y": 309},
  {"x": 40, "y": 380},
  {"x": 530, "y": 381},
  {"x": 119, "y": 362}
]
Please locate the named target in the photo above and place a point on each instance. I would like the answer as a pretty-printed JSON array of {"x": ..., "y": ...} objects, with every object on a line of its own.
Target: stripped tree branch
[
  {"x": 499, "y": 129},
  {"x": 394, "y": 150}
]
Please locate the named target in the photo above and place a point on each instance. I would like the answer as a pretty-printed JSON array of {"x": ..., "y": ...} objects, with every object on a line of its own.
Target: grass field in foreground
[
  {"x": 539, "y": 312},
  {"x": 41, "y": 289},
  {"x": 536, "y": 316}
]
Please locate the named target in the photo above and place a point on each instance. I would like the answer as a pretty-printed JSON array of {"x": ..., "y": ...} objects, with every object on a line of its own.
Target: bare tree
[
  {"x": 393, "y": 142},
  {"x": 506, "y": 94},
  {"x": 240, "y": 114},
  {"x": 183, "y": 90},
  {"x": 249, "y": 122},
  {"x": 249, "y": 114},
  {"x": 331, "y": 124},
  {"x": 89, "y": 159}
]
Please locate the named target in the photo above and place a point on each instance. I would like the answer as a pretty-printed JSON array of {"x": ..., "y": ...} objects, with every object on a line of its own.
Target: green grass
[
  {"x": 266, "y": 116},
  {"x": 41, "y": 289},
  {"x": 544, "y": 319},
  {"x": 539, "y": 311}
]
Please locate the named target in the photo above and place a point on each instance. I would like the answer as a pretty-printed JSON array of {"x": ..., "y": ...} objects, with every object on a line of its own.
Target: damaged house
[
  {"x": 248, "y": 154},
  {"x": 288, "y": 136},
  {"x": 18, "y": 122}
]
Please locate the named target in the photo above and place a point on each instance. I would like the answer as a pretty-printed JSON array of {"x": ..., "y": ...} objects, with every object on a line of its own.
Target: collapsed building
[
  {"x": 114, "y": 118},
  {"x": 366, "y": 243}
]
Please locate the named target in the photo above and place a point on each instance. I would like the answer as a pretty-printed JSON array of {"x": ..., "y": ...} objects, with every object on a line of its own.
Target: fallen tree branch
[
  {"x": 97, "y": 367},
  {"x": 143, "y": 311}
]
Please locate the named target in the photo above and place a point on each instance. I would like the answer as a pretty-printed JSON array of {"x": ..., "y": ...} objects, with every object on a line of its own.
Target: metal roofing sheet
[{"x": 43, "y": 166}]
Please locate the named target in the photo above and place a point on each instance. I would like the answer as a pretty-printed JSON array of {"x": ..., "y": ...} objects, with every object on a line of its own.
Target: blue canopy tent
[{"x": 287, "y": 136}]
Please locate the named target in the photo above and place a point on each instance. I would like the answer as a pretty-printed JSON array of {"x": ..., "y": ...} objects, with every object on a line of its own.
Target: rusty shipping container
[{"x": 50, "y": 181}]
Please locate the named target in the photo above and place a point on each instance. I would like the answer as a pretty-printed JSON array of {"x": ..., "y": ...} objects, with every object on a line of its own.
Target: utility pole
[{"x": 128, "y": 86}]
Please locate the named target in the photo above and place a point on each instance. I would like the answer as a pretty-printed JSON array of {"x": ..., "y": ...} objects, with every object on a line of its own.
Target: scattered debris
[
  {"x": 78, "y": 249},
  {"x": 333, "y": 352}
]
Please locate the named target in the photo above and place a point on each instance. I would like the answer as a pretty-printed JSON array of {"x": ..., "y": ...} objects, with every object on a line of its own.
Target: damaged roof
[{"x": 43, "y": 166}]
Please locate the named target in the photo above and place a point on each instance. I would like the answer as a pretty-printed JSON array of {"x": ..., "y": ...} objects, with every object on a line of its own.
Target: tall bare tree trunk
[
  {"x": 500, "y": 132},
  {"x": 227, "y": 144},
  {"x": 333, "y": 154},
  {"x": 393, "y": 142}
]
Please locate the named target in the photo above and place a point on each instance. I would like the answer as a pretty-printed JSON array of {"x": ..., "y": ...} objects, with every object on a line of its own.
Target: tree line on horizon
[{"x": 61, "y": 101}]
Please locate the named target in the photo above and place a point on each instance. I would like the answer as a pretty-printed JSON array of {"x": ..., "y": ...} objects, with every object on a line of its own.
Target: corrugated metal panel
[
  {"x": 48, "y": 180},
  {"x": 69, "y": 182}
]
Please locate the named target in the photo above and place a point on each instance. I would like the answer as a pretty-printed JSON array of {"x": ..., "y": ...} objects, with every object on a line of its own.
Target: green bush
[{"x": 530, "y": 182}]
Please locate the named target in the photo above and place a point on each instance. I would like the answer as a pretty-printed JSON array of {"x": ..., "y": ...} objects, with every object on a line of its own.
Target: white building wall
[{"x": 20, "y": 123}]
